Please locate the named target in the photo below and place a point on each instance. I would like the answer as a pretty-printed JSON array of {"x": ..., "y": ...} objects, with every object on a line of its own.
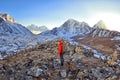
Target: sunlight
[{"x": 111, "y": 20}]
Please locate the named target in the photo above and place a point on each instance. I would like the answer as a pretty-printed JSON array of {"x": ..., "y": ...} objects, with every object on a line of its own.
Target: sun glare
[{"x": 111, "y": 20}]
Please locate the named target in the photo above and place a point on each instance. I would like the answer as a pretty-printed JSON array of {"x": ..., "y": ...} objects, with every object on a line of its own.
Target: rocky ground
[
  {"x": 104, "y": 44},
  {"x": 43, "y": 62}
]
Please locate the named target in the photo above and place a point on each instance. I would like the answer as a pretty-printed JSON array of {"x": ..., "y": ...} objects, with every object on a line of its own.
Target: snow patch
[
  {"x": 118, "y": 47},
  {"x": 116, "y": 38},
  {"x": 99, "y": 55},
  {"x": 96, "y": 53},
  {"x": 118, "y": 61}
]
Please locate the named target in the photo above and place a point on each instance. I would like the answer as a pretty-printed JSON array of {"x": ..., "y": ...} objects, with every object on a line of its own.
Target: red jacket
[{"x": 60, "y": 47}]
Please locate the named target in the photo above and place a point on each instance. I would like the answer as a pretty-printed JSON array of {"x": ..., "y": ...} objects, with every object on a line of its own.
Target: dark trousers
[{"x": 61, "y": 59}]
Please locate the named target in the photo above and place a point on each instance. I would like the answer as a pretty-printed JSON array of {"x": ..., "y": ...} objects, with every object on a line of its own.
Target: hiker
[{"x": 60, "y": 51}]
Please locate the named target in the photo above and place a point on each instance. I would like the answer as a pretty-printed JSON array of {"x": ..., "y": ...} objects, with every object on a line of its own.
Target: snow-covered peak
[
  {"x": 8, "y": 26},
  {"x": 37, "y": 29},
  {"x": 69, "y": 29},
  {"x": 74, "y": 23},
  {"x": 100, "y": 25},
  {"x": 71, "y": 20},
  {"x": 6, "y": 17},
  {"x": 13, "y": 36}
]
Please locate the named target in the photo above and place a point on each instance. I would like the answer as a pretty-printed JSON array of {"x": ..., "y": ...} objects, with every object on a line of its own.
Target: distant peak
[
  {"x": 32, "y": 25},
  {"x": 71, "y": 20},
  {"x": 7, "y": 17},
  {"x": 100, "y": 24}
]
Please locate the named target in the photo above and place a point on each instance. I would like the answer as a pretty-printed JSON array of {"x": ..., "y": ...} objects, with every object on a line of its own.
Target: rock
[
  {"x": 44, "y": 66},
  {"x": 89, "y": 53},
  {"x": 7, "y": 17},
  {"x": 63, "y": 73},
  {"x": 11, "y": 70},
  {"x": 28, "y": 63},
  {"x": 29, "y": 78},
  {"x": 38, "y": 72},
  {"x": 77, "y": 49},
  {"x": 109, "y": 70},
  {"x": 80, "y": 74},
  {"x": 56, "y": 63},
  {"x": 65, "y": 79},
  {"x": 96, "y": 73},
  {"x": 1, "y": 20},
  {"x": 78, "y": 63},
  {"x": 69, "y": 74},
  {"x": 35, "y": 71},
  {"x": 43, "y": 79},
  {"x": 114, "y": 77},
  {"x": 75, "y": 57},
  {"x": 12, "y": 78},
  {"x": 118, "y": 71},
  {"x": 113, "y": 59}
]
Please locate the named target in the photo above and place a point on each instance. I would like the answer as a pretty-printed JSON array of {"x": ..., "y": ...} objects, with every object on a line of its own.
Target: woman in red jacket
[{"x": 60, "y": 51}]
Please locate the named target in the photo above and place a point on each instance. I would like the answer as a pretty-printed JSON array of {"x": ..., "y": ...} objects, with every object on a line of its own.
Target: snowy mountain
[
  {"x": 100, "y": 25},
  {"x": 69, "y": 29},
  {"x": 103, "y": 33},
  {"x": 13, "y": 36},
  {"x": 9, "y": 27},
  {"x": 73, "y": 28},
  {"x": 34, "y": 28},
  {"x": 100, "y": 30}
]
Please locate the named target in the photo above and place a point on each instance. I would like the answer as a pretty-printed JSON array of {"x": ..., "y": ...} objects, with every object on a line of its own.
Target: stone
[
  {"x": 80, "y": 74},
  {"x": 63, "y": 73},
  {"x": 12, "y": 78},
  {"x": 113, "y": 59},
  {"x": 96, "y": 73},
  {"x": 29, "y": 78},
  {"x": 114, "y": 77},
  {"x": 118, "y": 71},
  {"x": 38, "y": 72},
  {"x": 56, "y": 63},
  {"x": 109, "y": 70}
]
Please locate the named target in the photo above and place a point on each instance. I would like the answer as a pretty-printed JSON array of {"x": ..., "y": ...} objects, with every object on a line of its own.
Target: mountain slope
[
  {"x": 73, "y": 28},
  {"x": 80, "y": 63},
  {"x": 9, "y": 27},
  {"x": 13, "y": 36},
  {"x": 103, "y": 33}
]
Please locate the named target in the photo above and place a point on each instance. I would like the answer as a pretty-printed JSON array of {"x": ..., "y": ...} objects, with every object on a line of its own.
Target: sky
[{"x": 53, "y": 13}]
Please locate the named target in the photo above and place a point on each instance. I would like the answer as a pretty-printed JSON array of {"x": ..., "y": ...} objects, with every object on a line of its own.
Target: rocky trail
[{"x": 43, "y": 62}]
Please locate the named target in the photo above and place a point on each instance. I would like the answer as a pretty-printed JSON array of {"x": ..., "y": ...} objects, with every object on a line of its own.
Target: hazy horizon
[{"x": 53, "y": 13}]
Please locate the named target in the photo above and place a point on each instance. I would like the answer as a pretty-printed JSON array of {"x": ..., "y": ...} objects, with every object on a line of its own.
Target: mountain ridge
[
  {"x": 7, "y": 17},
  {"x": 73, "y": 27},
  {"x": 34, "y": 28}
]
